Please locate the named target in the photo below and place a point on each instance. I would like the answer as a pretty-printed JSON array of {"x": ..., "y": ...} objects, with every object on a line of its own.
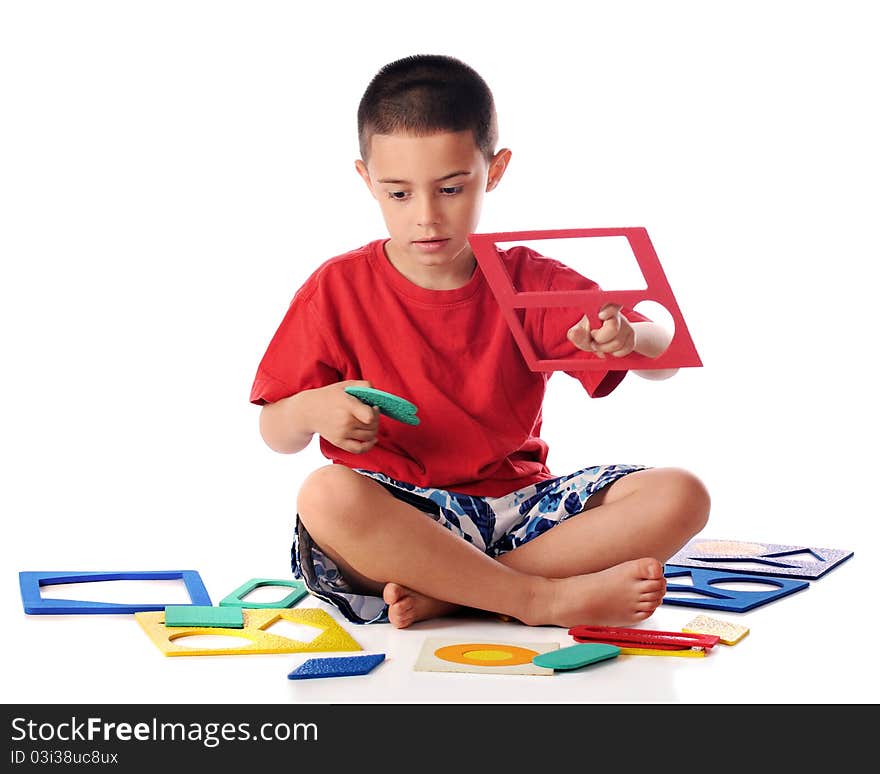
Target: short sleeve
[
  {"x": 298, "y": 356},
  {"x": 556, "y": 322}
]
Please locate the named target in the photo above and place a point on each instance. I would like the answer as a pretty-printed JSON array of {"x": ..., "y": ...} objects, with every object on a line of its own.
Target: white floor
[
  {"x": 160, "y": 212},
  {"x": 810, "y": 647}
]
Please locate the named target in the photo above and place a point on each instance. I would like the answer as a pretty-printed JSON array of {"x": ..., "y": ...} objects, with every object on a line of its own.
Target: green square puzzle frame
[{"x": 236, "y": 598}]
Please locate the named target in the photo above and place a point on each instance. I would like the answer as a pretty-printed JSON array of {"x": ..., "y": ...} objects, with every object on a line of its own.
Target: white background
[{"x": 170, "y": 172}]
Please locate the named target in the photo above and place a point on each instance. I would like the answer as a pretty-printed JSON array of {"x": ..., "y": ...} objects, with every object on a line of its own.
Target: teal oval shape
[{"x": 576, "y": 656}]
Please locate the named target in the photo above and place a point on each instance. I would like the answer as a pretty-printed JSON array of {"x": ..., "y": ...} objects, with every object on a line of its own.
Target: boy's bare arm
[
  {"x": 652, "y": 340},
  {"x": 287, "y": 426}
]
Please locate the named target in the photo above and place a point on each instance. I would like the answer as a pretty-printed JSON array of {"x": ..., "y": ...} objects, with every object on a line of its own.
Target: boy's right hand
[{"x": 342, "y": 419}]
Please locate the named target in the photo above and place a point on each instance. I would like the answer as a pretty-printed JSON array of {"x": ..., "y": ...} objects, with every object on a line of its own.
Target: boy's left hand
[{"x": 616, "y": 337}]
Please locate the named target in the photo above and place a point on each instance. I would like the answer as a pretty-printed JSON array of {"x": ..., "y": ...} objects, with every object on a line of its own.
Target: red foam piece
[
  {"x": 681, "y": 352},
  {"x": 646, "y": 638}
]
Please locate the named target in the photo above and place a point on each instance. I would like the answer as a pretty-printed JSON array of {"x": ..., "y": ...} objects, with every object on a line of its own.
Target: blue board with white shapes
[
  {"x": 705, "y": 594},
  {"x": 808, "y": 563}
]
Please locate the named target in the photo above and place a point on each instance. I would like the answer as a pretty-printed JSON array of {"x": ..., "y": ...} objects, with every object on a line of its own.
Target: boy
[{"x": 459, "y": 511}]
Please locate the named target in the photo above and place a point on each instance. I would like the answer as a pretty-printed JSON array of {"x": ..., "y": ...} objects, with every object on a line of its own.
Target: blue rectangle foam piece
[
  {"x": 34, "y": 604},
  {"x": 341, "y": 666},
  {"x": 726, "y": 599}
]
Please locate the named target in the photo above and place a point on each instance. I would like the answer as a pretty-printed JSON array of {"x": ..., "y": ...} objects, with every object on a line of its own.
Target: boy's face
[{"x": 430, "y": 190}]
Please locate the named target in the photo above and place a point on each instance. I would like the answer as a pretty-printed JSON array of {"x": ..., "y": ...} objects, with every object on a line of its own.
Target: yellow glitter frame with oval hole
[{"x": 332, "y": 637}]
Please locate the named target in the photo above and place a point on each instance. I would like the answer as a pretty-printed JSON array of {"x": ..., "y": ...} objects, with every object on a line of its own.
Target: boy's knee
[
  {"x": 690, "y": 498},
  {"x": 327, "y": 493}
]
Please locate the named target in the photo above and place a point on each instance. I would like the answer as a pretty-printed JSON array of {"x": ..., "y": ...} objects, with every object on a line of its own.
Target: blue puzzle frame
[
  {"x": 30, "y": 583},
  {"x": 774, "y": 559},
  {"x": 718, "y": 599}
]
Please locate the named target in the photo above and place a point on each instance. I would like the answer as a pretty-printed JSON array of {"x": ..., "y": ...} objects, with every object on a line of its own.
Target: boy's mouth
[{"x": 430, "y": 245}]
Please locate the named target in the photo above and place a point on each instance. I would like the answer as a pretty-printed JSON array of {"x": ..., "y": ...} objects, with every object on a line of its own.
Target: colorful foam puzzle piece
[
  {"x": 759, "y": 558},
  {"x": 339, "y": 666},
  {"x": 727, "y": 632},
  {"x": 681, "y": 351},
  {"x": 331, "y": 637},
  {"x": 576, "y": 656},
  {"x": 680, "y": 652},
  {"x": 705, "y": 594},
  {"x": 392, "y": 406},
  {"x": 237, "y": 597},
  {"x": 31, "y": 582},
  {"x": 631, "y": 637},
  {"x": 203, "y": 615},
  {"x": 439, "y": 654}
]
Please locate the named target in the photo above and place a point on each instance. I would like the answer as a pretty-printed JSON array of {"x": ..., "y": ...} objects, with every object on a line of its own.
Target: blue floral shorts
[{"x": 495, "y": 525}]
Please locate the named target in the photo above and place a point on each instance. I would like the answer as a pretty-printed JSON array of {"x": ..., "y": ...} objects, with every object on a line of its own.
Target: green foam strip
[{"x": 200, "y": 615}]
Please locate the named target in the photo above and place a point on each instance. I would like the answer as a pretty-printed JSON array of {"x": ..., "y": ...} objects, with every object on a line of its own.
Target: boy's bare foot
[
  {"x": 621, "y": 595},
  {"x": 406, "y": 606}
]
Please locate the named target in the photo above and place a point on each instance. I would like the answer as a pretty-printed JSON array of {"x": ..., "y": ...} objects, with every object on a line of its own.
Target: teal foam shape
[
  {"x": 204, "y": 616},
  {"x": 236, "y": 598},
  {"x": 576, "y": 656},
  {"x": 391, "y": 405}
]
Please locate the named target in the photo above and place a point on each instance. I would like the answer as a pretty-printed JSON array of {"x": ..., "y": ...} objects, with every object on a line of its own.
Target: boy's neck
[{"x": 451, "y": 276}]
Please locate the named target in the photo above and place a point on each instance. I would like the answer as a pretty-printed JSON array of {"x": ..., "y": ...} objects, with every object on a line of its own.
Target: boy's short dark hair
[{"x": 424, "y": 94}]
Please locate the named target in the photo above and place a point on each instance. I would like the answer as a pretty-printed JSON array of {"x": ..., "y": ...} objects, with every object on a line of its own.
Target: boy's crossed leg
[{"x": 601, "y": 567}]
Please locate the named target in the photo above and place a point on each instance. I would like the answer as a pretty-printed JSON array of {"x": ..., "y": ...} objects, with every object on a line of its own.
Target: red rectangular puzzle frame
[{"x": 681, "y": 351}]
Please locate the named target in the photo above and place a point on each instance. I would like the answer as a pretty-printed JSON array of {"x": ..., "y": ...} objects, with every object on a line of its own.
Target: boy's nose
[{"x": 428, "y": 214}]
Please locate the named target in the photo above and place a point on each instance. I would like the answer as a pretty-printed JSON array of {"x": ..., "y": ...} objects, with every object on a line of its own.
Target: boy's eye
[
  {"x": 451, "y": 190},
  {"x": 398, "y": 195}
]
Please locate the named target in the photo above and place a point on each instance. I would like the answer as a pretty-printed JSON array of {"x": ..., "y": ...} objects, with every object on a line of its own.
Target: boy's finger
[
  {"x": 584, "y": 322},
  {"x": 364, "y": 413},
  {"x": 359, "y": 447},
  {"x": 608, "y": 311},
  {"x": 610, "y": 347},
  {"x": 362, "y": 434},
  {"x": 580, "y": 337},
  {"x": 608, "y": 332},
  {"x": 595, "y": 349},
  {"x": 374, "y": 419}
]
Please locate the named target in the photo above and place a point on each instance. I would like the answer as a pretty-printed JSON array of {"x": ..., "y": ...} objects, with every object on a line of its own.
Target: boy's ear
[
  {"x": 496, "y": 167},
  {"x": 365, "y": 175}
]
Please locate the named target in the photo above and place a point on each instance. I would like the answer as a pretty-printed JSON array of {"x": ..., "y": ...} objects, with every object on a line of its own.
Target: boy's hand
[
  {"x": 344, "y": 420},
  {"x": 616, "y": 337}
]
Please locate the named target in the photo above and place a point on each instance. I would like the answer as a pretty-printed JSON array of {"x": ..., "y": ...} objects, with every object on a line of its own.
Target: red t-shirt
[{"x": 448, "y": 351}]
